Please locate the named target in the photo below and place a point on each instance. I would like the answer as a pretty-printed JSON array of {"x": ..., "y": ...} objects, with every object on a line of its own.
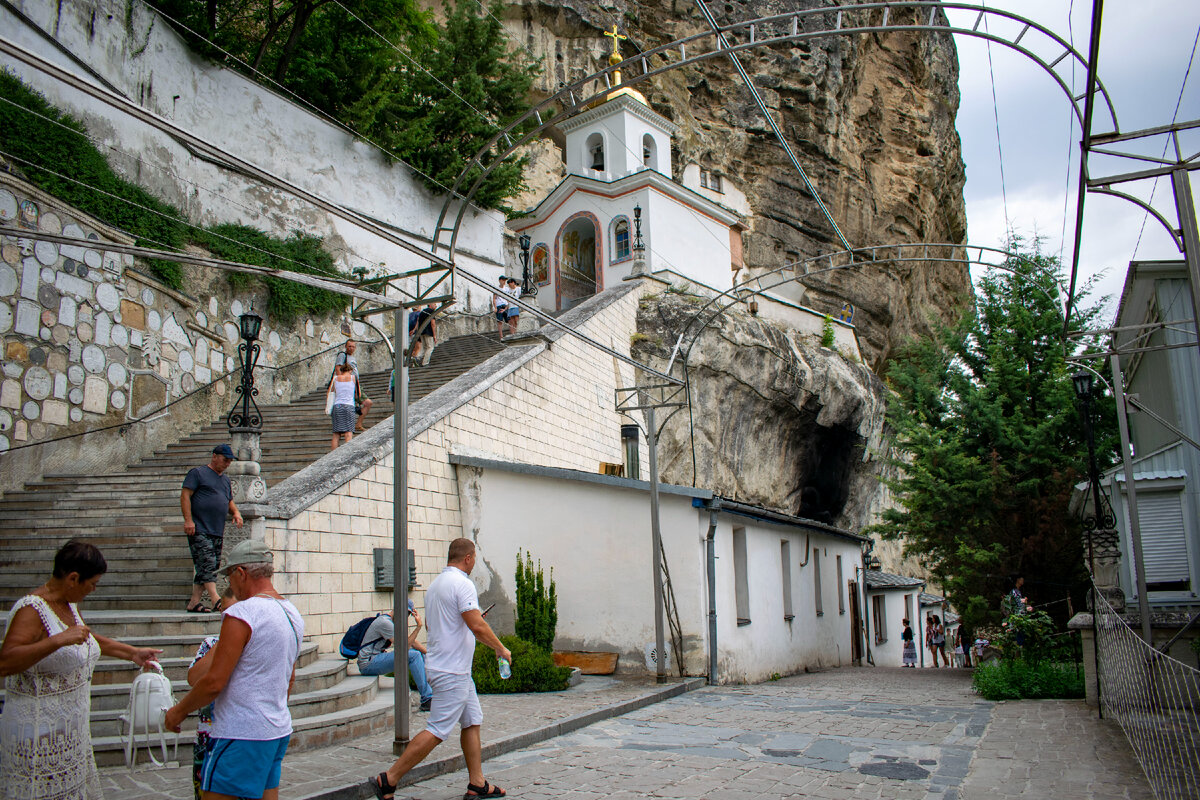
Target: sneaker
[{"x": 426, "y": 704}]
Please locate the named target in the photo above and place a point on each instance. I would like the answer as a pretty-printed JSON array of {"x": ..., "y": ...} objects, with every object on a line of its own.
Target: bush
[
  {"x": 537, "y": 604},
  {"x": 828, "y": 336},
  {"x": 1022, "y": 680},
  {"x": 533, "y": 669}
]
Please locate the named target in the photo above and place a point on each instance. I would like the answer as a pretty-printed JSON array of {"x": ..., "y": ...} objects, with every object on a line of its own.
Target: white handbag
[
  {"x": 329, "y": 401},
  {"x": 149, "y": 698}
]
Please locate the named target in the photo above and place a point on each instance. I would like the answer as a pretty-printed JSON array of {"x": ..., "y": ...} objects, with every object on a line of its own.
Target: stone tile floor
[
  {"x": 848, "y": 733},
  {"x": 874, "y": 733}
]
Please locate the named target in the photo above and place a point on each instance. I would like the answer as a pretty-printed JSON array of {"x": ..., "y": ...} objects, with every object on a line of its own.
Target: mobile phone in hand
[{"x": 489, "y": 608}]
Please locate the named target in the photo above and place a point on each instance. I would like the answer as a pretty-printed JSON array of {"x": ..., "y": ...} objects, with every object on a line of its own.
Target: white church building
[{"x": 620, "y": 193}]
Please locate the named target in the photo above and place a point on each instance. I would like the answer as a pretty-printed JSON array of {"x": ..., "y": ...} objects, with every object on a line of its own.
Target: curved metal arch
[
  {"x": 757, "y": 33},
  {"x": 744, "y": 289},
  {"x": 1149, "y": 209}
]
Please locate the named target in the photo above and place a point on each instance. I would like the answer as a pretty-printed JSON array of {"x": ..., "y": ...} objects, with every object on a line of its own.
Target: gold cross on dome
[{"x": 616, "y": 37}]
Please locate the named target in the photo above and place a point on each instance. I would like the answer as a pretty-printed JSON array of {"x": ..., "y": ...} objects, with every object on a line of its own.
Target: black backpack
[{"x": 353, "y": 640}]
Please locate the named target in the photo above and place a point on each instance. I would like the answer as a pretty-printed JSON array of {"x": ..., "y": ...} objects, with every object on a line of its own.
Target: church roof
[
  {"x": 621, "y": 99},
  {"x": 647, "y": 177}
]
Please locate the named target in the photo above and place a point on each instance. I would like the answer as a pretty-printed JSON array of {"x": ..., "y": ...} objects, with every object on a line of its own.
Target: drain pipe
[{"x": 710, "y": 547}]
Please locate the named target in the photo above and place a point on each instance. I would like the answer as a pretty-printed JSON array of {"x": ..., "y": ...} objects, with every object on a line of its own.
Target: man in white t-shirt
[
  {"x": 251, "y": 675},
  {"x": 454, "y": 622}
]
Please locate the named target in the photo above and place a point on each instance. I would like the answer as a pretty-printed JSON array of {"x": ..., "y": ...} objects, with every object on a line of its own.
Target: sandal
[
  {"x": 487, "y": 790},
  {"x": 199, "y": 608},
  {"x": 383, "y": 789},
  {"x": 219, "y": 605}
]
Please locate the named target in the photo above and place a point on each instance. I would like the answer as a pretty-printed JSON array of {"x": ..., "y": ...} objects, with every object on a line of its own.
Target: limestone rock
[
  {"x": 773, "y": 413},
  {"x": 871, "y": 118}
]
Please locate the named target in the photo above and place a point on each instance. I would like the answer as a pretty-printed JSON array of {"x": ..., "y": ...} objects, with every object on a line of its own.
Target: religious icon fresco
[{"x": 541, "y": 265}]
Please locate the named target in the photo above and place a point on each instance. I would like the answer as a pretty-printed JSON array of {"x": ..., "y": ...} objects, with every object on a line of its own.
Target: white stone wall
[
  {"x": 146, "y": 61},
  {"x": 556, "y": 410},
  {"x": 90, "y": 340}
]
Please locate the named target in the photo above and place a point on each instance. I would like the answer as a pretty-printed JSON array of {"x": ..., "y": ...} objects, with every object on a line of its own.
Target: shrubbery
[
  {"x": 537, "y": 604},
  {"x": 47, "y": 150},
  {"x": 1033, "y": 662},
  {"x": 1020, "y": 679},
  {"x": 533, "y": 669}
]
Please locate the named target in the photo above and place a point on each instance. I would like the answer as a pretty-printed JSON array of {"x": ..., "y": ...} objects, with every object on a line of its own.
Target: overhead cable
[{"x": 762, "y": 107}]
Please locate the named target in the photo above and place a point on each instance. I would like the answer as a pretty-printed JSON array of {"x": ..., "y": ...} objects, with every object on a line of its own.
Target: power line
[
  {"x": 1167, "y": 144},
  {"x": 311, "y": 107},
  {"x": 1062, "y": 237},
  {"x": 999, "y": 147}
]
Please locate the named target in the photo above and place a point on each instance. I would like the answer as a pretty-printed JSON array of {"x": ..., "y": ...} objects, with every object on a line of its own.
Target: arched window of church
[
  {"x": 595, "y": 152},
  {"x": 649, "y": 152},
  {"x": 620, "y": 239}
]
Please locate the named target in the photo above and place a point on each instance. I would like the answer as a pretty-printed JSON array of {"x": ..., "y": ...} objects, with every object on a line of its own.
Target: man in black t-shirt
[{"x": 206, "y": 499}]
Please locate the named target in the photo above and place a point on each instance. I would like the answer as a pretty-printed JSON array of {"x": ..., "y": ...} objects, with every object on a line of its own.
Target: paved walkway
[{"x": 882, "y": 734}]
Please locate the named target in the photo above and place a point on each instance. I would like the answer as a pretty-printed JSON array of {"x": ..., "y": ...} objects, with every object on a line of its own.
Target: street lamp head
[
  {"x": 1083, "y": 385},
  {"x": 525, "y": 241},
  {"x": 873, "y": 563},
  {"x": 249, "y": 325}
]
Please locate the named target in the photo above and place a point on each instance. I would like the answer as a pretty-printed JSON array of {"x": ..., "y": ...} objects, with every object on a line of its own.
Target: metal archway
[{"x": 792, "y": 27}]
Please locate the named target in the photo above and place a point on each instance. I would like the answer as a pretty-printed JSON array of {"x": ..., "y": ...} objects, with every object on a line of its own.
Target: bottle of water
[{"x": 505, "y": 668}]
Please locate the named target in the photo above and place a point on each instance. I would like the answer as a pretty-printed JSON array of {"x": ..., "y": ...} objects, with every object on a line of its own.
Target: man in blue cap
[{"x": 206, "y": 500}]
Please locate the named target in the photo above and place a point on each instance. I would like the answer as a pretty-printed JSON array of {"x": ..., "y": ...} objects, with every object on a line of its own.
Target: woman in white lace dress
[{"x": 47, "y": 659}]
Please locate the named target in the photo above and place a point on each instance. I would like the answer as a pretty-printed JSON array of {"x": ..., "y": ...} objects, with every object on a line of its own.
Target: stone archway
[{"x": 578, "y": 273}]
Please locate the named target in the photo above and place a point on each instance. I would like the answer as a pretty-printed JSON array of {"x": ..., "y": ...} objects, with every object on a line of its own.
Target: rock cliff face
[
  {"x": 870, "y": 117},
  {"x": 774, "y": 416}
]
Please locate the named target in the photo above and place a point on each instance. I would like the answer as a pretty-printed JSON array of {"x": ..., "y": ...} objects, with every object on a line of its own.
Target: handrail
[{"x": 156, "y": 413}]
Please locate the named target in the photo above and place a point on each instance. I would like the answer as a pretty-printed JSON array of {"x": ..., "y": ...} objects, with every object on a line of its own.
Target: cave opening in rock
[{"x": 830, "y": 455}]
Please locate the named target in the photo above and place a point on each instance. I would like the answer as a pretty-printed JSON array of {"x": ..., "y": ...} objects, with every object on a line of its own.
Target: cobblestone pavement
[
  {"x": 849, "y": 733},
  {"x": 315, "y": 772},
  {"x": 876, "y": 733}
]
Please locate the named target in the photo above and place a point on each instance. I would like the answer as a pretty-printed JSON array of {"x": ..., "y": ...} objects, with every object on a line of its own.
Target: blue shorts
[
  {"x": 243, "y": 767},
  {"x": 501, "y": 313}
]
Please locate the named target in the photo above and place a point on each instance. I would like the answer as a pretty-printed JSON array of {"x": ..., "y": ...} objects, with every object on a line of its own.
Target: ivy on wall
[{"x": 51, "y": 150}]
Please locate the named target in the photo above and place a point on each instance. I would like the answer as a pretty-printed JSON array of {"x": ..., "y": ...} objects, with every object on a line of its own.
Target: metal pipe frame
[
  {"x": 1135, "y": 523},
  {"x": 779, "y": 29}
]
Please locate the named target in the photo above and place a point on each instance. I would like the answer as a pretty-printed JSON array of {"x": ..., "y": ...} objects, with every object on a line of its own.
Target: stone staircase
[{"x": 132, "y": 515}]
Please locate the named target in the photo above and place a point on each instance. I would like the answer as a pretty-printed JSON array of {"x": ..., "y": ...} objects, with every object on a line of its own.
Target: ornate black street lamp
[
  {"x": 639, "y": 247},
  {"x": 529, "y": 286},
  {"x": 1101, "y": 516},
  {"x": 245, "y": 414}
]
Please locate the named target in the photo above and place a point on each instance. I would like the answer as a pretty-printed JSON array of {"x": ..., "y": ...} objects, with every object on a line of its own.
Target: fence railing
[{"x": 1156, "y": 700}]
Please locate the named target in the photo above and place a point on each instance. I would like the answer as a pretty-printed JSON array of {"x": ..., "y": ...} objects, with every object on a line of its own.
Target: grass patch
[{"x": 1022, "y": 680}]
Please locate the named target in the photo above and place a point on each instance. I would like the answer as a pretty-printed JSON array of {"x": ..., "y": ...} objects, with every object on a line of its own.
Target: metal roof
[
  {"x": 928, "y": 599},
  {"x": 886, "y": 580}
]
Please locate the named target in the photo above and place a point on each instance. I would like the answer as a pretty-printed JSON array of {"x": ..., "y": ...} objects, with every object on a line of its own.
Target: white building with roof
[{"x": 890, "y": 600}]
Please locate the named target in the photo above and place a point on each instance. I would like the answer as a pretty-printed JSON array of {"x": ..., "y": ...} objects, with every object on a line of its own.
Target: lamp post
[
  {"x": 245, "y": 420},
  {"x": 639, "y": 246},
  {"x": 529, "y": 286},
  {"x": 1099, "y": 526}
]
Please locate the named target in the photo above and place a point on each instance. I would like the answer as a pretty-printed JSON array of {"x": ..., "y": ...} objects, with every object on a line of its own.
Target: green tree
[
  {"x": 990, "y": 445},
  {"x": 439, "y": 109},
  {"x": 537, "y": 604}
]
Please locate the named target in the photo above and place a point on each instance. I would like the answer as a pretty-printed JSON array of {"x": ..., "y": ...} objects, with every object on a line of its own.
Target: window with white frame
[
  {"x": 816, "y": 561},
  {"x": 710, "y": 180},
  {"x": 840, "y": 588},
  {"x": 785, "y": 562},
  {"x": 620, "y": 248},
  {"x": 741, "y": 579}
]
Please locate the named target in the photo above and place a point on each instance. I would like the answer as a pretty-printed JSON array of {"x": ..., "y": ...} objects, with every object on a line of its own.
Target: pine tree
[
  {"x": 537, "y": 604},
  {"x": 990, "y": 445}
]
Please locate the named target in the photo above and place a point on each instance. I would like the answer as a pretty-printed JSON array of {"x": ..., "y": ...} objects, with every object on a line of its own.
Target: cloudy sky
[{"x": 1145, "y": 48}]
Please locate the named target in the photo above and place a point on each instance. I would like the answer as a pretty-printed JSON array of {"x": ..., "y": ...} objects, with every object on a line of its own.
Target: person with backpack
[{"x": 374, "y": 656}]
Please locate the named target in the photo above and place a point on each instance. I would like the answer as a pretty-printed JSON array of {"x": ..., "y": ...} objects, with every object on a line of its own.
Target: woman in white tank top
[{"x": 342, "y": 412}]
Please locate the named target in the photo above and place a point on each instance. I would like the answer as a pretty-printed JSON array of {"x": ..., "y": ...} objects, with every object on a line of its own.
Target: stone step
[
  {"x": 309, "y": 732},
  {"x": 102, "y": 601},
  {"x": 132, "y": 586},
  {"x": 113, "y": 671}
]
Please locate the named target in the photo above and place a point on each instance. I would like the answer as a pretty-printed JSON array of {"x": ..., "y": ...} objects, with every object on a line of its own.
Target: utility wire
[
  {"x": 319, "y": 112},
  {"x": 1167, "y": 143},
  {"x": 999, "y": 148},
  {"x": 1062, "y": 237},
  {"x": 762, "y": 108},
  {"x": 156, "y": 212}
]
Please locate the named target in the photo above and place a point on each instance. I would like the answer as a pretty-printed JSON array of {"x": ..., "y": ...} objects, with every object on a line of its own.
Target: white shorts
[{"x": 454, "y": 703}]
